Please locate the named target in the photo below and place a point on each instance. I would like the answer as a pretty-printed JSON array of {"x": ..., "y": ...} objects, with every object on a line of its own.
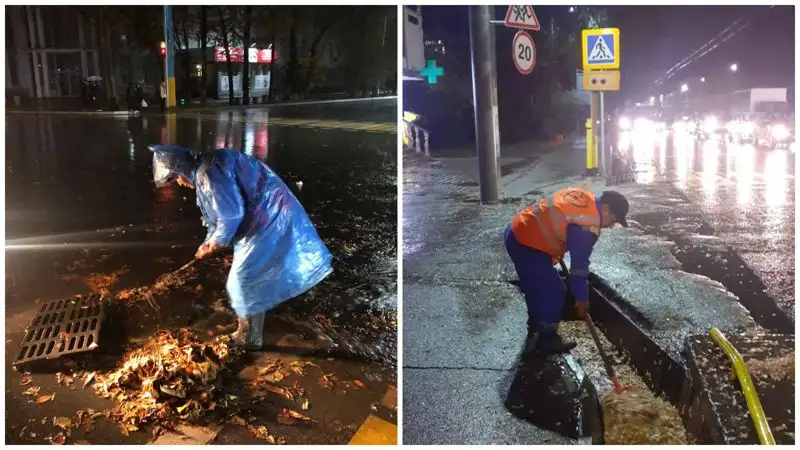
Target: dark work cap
[{"x": 618, "y": 205}]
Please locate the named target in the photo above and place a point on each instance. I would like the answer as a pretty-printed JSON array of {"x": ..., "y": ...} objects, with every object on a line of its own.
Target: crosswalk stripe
[{"x": 375, "y": 431}]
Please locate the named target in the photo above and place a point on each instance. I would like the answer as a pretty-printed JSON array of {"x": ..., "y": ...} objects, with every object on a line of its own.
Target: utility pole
[
  {"x": 169, "y": 58},
  {"x": 484, "y": 94}
]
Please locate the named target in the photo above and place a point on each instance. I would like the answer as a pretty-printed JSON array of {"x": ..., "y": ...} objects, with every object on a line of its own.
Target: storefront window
[
  {"x": 65, "y": 74},
  {"x": 60, "y": 26}
]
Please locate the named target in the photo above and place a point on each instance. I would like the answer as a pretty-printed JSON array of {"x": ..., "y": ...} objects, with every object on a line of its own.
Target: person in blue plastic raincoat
[{"x": 277, "y": 253}]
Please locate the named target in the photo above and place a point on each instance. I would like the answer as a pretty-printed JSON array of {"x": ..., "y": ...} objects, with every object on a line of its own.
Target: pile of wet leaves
[
  {"x": 100, "y": 283},
  {"x": 776, "y": 368},
  {"x": 172, "y": 377},
  {"x": 637, "y": 417}
]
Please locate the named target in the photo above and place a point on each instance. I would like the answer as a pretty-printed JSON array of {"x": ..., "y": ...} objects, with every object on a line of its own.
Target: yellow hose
[{"x": 748, "y": 389}]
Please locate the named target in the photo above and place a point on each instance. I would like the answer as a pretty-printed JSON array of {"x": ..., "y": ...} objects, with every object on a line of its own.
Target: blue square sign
[{"x": 600, "y": 48}]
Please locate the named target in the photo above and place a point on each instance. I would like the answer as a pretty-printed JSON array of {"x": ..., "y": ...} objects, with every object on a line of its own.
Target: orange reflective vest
[{"x": 543, "y": 226}]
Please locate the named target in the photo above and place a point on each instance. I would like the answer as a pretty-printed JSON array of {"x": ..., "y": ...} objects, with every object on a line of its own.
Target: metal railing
[{"x": 416, "y": 138}]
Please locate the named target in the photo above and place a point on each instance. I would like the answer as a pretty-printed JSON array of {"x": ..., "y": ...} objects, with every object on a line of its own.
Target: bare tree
[
  {"x": 203, "y": 38},
  {"x": 224, "y": 30}
]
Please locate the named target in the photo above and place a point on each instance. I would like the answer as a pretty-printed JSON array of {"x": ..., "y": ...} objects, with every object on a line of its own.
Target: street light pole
[{"x": 484, "y": 94}]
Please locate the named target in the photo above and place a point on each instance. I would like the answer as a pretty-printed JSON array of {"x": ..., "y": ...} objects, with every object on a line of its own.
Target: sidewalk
[{"x": 464, "y": 322}]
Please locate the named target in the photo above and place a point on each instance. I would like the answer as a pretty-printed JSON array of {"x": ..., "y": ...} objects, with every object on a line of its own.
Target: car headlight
[
  {"x": 779, "y": 132},
  {"x": 641, "y": 122},
  {"x": 625, "y": 123},
  {"x": 710, "y": 124}
]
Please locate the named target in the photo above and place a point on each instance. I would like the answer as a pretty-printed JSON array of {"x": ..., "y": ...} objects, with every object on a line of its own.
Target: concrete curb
[
  {"x": 82, "y": 113},
  {"x": 208, "y": 108},
  {"x": 296, "y": 103}
]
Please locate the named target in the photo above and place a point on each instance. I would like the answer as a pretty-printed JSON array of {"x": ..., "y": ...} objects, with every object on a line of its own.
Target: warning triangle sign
[
  {"x": 521, "y": 16},
  {"x": 600, "y": 51}
]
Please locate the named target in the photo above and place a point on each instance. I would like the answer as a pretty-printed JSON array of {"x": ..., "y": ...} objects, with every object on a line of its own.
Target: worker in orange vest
[{"x": 538, "y": 237}]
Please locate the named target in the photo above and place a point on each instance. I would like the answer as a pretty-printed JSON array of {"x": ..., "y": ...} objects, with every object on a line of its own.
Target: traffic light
[{"x": 163, "y": 48}]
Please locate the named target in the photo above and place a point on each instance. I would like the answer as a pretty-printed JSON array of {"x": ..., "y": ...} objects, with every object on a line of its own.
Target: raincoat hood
[{"x": 169, "y": 161}]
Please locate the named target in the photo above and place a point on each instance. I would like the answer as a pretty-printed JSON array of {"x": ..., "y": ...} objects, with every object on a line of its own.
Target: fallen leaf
[
  {"x": 89, "y": 377},
  {"x": 359, "y": 384},
  {"x": 326, "y": 381},
  {"x": 65, "y": 380},
  {"x": 290, "y": 417},
  {"x": 59, "y": 439},
  {"x": 45, "y": 398},
  {"x": 274, "y": 377},
  {"x": 33, "y": 390},
  {"x": 304, "y": 404},
  {"x": 82, "y": 442},
  {"x": 236, "y": 420},
  {"x": 261, "y": 432},
  {"x": 124, "y": 430},
  {"x": 26, "y": 379},
  {"x": 22, "y": 431},
  {"x": 62, "y": 422}
]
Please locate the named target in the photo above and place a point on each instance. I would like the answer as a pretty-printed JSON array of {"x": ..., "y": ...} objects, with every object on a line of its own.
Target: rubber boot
[
  {"x": 554, "y": 345},
  {"x": 249, "y": 333}
]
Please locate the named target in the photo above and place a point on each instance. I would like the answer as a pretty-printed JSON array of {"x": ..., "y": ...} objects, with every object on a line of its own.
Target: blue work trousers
[{"x": 540, "y": 284}]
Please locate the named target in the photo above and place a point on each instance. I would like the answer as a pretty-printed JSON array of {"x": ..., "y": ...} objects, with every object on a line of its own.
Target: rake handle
[{"x": 596, "y": 337}]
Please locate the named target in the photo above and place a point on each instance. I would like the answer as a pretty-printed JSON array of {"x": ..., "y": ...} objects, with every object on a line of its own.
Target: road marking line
[{"x": 375, "y": 431}]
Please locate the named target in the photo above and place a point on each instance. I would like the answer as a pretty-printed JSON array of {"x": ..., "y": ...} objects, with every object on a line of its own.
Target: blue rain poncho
[{"x": 277, "y": 253}]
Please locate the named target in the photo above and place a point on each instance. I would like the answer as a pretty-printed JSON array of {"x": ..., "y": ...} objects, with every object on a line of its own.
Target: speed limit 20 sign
[{"x": 524, "y": 52}]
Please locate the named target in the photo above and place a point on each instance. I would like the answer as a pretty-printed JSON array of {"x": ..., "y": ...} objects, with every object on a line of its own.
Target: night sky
[{"x": 654, "y": 38}]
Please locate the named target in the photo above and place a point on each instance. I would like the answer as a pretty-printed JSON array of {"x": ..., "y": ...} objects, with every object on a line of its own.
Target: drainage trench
[{"x": 644, "y": 364}]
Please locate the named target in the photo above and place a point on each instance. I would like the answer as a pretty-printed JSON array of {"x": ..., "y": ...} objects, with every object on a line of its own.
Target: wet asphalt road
[
  {"x": 744, "y": 193},
  {"x": 80, "y": 200}
]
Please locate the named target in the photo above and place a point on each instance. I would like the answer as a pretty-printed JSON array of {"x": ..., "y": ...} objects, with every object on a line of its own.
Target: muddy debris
[
  {"x": 172, "y": 377},
  {"x": 634, "y": 417},
  {"x": 777, "y": 369},
  {"x": 638, "y": 417}
]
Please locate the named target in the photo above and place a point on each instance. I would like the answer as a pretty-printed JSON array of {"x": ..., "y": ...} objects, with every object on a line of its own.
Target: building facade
[
  {"x": 49, "y": 50},
  {"x": 413, "y": 47}
]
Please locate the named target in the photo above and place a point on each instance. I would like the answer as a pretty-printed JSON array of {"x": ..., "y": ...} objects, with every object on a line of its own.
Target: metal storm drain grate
[{"x": 62, "y": 327}]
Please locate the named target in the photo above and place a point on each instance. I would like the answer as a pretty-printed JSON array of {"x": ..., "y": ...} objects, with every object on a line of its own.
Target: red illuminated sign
[{"x": 254, "y": 55}]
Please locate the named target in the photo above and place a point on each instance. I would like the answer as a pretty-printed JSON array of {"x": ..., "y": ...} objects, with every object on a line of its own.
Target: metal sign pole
[{"x": 606, "y": 157}]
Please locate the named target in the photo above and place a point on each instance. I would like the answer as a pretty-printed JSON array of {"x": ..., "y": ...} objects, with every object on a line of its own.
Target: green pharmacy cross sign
[{"x": 431, "y": 72}]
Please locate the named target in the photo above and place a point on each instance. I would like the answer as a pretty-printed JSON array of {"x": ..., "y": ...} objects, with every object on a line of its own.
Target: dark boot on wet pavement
[
  {"x": 553, "y": 345},
  {"x": 249, "y": 333}
]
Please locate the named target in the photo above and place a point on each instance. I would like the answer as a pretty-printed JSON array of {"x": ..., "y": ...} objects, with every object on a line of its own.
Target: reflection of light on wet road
[
  {"x": 684, "y": 154},
  {"x": 644, "y": 154},
  {"x": 249, "y": 137},
  {"x": 710, "y": 162},
  {"x": 730, "y": 157},
  {"x": 775, "y": 180},
  {"x": 745, "y": 171}
]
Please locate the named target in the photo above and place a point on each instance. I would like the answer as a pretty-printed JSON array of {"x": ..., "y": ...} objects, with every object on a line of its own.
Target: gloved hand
[
  {"x": 582, "y": 308},
  {"x": 206, "y": 249}
]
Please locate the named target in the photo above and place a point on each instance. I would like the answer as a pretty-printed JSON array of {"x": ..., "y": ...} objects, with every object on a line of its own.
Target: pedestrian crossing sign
[{"x": 600, "y": 48}]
